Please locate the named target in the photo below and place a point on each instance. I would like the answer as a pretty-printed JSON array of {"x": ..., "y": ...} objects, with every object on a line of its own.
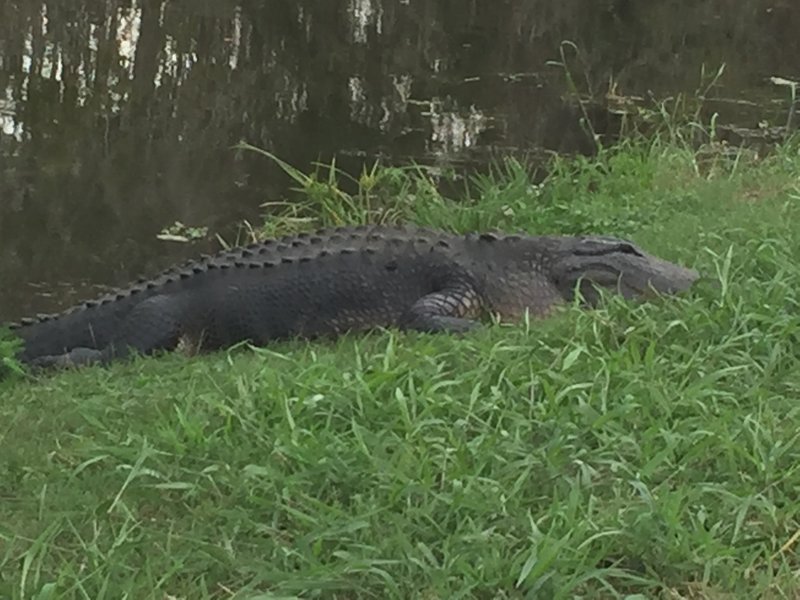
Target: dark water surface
[{"x": 117, "y": 116}]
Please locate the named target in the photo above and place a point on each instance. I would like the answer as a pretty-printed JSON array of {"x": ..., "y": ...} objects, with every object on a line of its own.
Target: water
[{"x": 117, "y": 117}]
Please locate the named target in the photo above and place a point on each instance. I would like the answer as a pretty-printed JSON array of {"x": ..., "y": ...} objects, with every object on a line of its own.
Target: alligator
[{"x": 341, "y": 279}]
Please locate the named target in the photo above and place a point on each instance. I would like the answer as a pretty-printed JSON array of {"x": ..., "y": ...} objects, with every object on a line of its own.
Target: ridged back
[{"x": 267, "y": 253}]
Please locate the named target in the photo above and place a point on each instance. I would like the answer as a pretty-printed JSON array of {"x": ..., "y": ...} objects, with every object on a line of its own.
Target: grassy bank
[{"x": 634, "y": 451}]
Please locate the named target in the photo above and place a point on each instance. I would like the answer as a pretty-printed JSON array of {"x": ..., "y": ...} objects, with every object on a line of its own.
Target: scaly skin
[
  {"x": 93, "y": 323},
  {"x": 346, "y": 279}
]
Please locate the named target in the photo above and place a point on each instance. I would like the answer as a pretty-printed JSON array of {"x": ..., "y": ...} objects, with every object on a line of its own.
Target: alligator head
[{"x": 617, "y": 265}]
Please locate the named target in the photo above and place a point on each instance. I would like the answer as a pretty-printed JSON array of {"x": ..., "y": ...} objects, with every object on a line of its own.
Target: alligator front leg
[{"x": 451, "y": 309}]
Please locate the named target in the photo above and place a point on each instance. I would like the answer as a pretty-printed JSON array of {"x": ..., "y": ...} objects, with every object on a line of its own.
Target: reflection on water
[{"x": 117, "y": 116}]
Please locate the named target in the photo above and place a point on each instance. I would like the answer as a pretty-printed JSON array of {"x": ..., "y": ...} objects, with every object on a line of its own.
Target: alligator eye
[
  {"x": 602, "y": 246},
  {"x": 627, "y": 248}
]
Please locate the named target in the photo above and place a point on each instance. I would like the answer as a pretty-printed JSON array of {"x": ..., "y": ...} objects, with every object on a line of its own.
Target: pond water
[{"x": 117, "y": 117}]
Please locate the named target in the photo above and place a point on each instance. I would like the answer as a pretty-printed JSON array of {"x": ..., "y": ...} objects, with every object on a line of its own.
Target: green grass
[{"x": 636, "y": 451}]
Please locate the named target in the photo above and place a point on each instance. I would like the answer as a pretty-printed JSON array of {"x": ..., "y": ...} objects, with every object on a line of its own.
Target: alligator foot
[
  {"x": 77, "y": 357},
  {"x": 439, "y": 324}
]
